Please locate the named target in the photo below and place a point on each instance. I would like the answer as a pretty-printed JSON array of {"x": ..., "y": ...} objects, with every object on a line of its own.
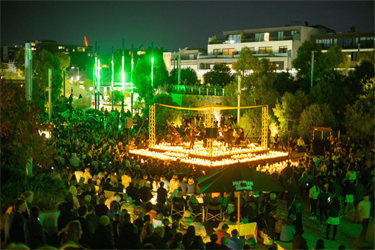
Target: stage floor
[{"x": 218, "y": 156}]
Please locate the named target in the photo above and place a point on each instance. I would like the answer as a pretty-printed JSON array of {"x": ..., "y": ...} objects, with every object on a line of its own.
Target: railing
[
  {"x": 198, "y": 90},
  {"x": 250, "y": 40}
]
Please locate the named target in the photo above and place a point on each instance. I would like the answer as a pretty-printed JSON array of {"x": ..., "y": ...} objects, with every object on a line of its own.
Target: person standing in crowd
[
  {"x": 313, "y": 195},
  {"x": 364, "y": 208},
  {"x": 34, "y": 235},
  {"x": 333, "y": 219},
  {"x": 15, "y": 222},
  {"x": 323, "y": 200}
]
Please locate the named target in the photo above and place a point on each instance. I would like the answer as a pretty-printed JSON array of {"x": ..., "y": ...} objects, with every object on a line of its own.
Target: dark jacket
[
  {"x": 299, "y": 242},
  {"x": 14, "y": 228},
  {"x": 87, "y": 232},
  {"x": 101, "y": 210},
  {"x": 94, "y": 220},
  {"x": 103, "y": 238},
  {"x": 212, "y": 245},
  {"x": 34, "y": 234},
  {"x": 64, "y": 219}
]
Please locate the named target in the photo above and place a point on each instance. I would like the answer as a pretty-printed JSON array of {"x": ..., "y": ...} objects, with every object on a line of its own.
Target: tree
[
  {"x": 367, "y": 56},
  {"x": 220, "y": 75},
  {"x": 303, "y": 63},
  {"x": 245, "y": 62},
  {"x": 64, "y": 60},
  {"x": 142, "y": 76},
  {"x": 41, "y": 63},
  {"x": 188, "y": 76},
  {"x": 359, "y": 117},
  {"x": 335, "y": 59},
  {"x": 251, "y": 122},
  {"x": 289, "y": 110},
  {"x": 314, "y": 115},
  {"x": 20, "y": 138},
  {"x": 87, "y": 83},
  {"x": 117, "y": 96},
  {"x": 285, "y": 82}
]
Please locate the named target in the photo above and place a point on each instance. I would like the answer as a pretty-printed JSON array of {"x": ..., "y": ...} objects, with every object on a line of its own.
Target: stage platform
[{"x": 217, "y": 156}]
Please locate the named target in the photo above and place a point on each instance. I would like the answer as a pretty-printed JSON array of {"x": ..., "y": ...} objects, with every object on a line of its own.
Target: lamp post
[{"x": 312, "y": 68}]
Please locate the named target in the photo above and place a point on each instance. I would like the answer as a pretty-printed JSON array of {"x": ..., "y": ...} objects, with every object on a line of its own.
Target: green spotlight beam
[
  {"x": 99, "y": 68},
  {"x": 113, "y": 79},
  {"x": 123, "y": 79}
]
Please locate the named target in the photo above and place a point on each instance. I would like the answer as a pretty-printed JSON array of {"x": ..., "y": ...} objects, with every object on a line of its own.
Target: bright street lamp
[{"x": 91, "y": 88}]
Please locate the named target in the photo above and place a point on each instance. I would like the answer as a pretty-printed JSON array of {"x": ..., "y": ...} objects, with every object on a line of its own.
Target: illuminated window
[
  {"x": 259, "y": 37},
  {"x": 283, "y": 49},
  {"x": 61, "y": 47},
  {"x": 228, "y": 51},
  {"x": 266, "y": 37},
  {"x": 265, "y": 50},
  {"x": 74, "y": 50},
  {"x": 293, "y": 32},
  {"x": 33, "y": 48},
  {"x": 141, "y": 52}
]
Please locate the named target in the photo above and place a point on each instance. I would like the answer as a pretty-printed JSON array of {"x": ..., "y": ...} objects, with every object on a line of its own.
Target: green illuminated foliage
[{"x": 220, "y": 75}]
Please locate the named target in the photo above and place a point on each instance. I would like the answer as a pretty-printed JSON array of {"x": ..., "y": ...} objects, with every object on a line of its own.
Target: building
[
  {"x": 279, "y": 45},
  {"x": 350, "y": 42},
  {"x": 7, "y": 53}
]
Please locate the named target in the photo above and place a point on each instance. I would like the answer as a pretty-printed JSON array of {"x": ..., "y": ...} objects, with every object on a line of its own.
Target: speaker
[
  {"x": 290, "y": 126},
  {"x": 129, "y": 123},
  {"x": 211, "y": 133}
]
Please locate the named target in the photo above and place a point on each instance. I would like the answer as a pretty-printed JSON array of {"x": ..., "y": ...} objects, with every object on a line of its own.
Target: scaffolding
[
  {"x": 152, "y": 125},
  {"x": 264, "y": 141}
]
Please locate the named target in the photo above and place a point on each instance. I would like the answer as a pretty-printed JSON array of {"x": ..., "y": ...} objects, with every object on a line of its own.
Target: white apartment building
[{"x": 279, "y": 45}]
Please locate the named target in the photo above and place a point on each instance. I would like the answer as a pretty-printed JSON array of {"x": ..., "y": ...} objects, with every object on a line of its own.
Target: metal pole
[
  {"x": 312, "y": 68},
  {"x": 95, "y": 79},
  {"x": 28, "y": 72},
  {"x": 113, "y": 77},
  {"x": 64, "y": 73},
  {"x": 28, "y": 92},
  {"x": 179, "y": 66},
  {"x": 131, "y": 82},
  {"x": 123, "y": 76},
  {"x": 49, "y": 92},
  {"x": 239, "y": 100},
  {"x": 99, "y": 83}
]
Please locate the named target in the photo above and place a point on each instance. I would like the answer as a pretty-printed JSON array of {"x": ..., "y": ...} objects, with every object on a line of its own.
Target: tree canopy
[{"x": 220, "y": 75}]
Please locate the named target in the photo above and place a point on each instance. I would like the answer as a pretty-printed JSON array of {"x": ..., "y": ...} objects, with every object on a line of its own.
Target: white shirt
[
  {"x": 78, "y": 175},
  {"x": 364, "y": 208},
  {"x": 200, "y": 229}
]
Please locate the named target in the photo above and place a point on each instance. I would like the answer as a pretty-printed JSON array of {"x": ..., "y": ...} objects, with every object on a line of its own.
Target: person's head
[
  {"x": 34, "y": 213},
  {"x": 147, "y": 230},
  {"x": 342, "y": 247},
  {"x": 213, "y": 237},
  {"x": 82, "y": 210},
  {"x": 224, "y": 227},
  {"x": 114, "y": 206},
  {"x": 104, "y": 220},
  {"x": 28, "y": 196},
  {"x": 234, "y": 233},
  {"x": 19, "y": 205},
  {"x": 73, "y": 190},
  {"x": 224, "y": 240},
  {"x": 73, "y": 231},
  {"x": 272, "y": 214},
  {"x": 87, "y": 198},
  {"x": 190, "y": 230},
  {"x": 281, "y": 216},
  {"x": 161, "y": 184},
  {"x": 366, "y": 197},
  {"x": 273, "y": 196},
  {"x": 319, "y": 244},
  {"x": 102, "y": 200}
]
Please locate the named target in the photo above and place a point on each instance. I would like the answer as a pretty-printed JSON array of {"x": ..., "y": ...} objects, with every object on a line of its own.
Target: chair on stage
[
  {"x": 177, "y": 208},
  {"x": 213, "y": 212}
]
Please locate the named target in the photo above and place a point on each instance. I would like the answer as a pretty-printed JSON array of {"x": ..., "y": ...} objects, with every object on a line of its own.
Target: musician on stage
[
  {"x": 230, "y": 137},
  {"x": 172, "y": 132},
  {"x": 191, "y": 132},
  {"x": 240, "y": 137}
]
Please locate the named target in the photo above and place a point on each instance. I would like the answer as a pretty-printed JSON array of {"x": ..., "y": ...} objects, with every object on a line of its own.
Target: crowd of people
[{"x": 124, "y": 202}]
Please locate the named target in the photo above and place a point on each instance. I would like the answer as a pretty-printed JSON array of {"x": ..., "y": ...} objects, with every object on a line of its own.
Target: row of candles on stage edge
[
  {"x": 185, "y": 159},
  {"x": 218, "y": 149}
]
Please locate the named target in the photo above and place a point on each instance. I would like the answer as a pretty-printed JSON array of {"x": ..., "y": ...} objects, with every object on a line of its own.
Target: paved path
[{"x": 347, "y": 232}]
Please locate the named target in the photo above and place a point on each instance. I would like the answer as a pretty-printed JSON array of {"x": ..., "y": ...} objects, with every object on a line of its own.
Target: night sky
[{"x": 169, "y": 24}]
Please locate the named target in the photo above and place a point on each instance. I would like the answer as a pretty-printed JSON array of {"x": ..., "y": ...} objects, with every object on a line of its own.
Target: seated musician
[
  {"x": 172, "y": 132},
  {"x": 240, "y": 137}
]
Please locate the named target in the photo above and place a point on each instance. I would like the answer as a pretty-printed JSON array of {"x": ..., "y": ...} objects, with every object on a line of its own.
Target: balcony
[
  {"x": 198, "y": 90},
  {"x": 249, "y": 40},
  {"x": 256, "y": 54}
]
